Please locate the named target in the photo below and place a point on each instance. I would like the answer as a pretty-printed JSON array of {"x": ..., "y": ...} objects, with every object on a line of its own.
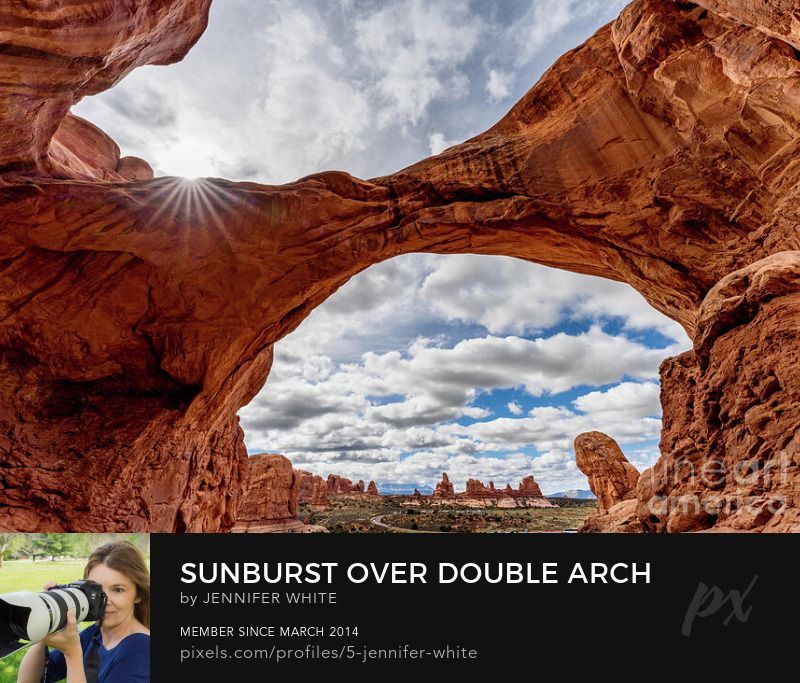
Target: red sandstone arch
[{"x": 139, "y": 314}]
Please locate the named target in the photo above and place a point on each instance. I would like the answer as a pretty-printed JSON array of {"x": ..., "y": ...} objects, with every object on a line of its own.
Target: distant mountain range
[
  {"x": 573, "y": 493},
  {"x": 390, "y": 489}
]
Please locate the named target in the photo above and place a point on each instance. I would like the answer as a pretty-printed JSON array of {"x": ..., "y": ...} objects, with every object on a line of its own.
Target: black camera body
[{"x": 95, "y": 597}]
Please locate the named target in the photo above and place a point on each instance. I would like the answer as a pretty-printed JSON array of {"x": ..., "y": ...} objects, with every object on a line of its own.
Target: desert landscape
[
  {"x": 140, "y": 313},
  {"x": 398, "y": 514},
  {"x": 281, "y": 499}
]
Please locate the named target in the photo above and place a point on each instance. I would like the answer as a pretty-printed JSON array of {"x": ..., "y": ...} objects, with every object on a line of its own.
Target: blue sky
[{"x": 481, "y": 366}]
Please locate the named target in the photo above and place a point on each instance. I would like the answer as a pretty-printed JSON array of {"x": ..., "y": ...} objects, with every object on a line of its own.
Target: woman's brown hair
[{"x": 125, "y": 557}]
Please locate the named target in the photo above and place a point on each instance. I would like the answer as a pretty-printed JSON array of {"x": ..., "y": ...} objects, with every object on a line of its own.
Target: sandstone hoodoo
[
  {"x": 305, "y": 485},
  {"x": 372, "y": 489},
  {"x": 662, "y": 153},
  {"x": 444, "y": 489},
  {"x": 319, "y": 495},
  {"x": 528, "y": 487},
  {"x": 611, "y": 477},
  {"x": 613, "y": 481}
]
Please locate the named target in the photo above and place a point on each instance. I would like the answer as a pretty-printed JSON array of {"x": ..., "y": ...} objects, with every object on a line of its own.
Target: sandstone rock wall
[
  {"x": 338, "y": 486},
  {"x": 313, "y": 488},
  {"x": 528, "y": 488},
  {"x": 270, "y": 496},
  {"x": 476, "y": 489},
  {"x": 730, "y": 443}
]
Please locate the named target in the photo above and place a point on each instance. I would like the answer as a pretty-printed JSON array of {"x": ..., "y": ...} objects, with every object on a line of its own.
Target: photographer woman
[{"x": 117, "y": 648}]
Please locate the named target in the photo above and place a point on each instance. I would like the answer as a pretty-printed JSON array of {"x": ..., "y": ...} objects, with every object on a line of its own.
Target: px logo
[{"x": 708, "y": 601}]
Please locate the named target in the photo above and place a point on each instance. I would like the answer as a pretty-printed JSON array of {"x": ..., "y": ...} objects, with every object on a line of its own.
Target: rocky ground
[{"x": 365, "y": 514}]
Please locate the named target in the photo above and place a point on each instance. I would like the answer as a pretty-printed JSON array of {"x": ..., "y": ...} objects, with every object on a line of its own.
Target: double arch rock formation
[{"x": 138, "y": 314}]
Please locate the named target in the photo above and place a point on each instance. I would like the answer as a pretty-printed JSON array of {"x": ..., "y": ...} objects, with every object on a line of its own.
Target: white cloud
[
  {"x": 499, "y": 84},
  {"x": 437, "y": 143},
  {"x": 278, "y": 101},
  {"x": 350, "y": 393},
  {"x": 626, "y": 400},
  {"x": 555, "y": 428},
  {"x": 546, "y": 365},
  {"x": 359, "y": 418},
  {"x": 508, "y": 295},
  {"x": 642, "y": 457},
  {"x": 274, "y": 90},
  {"x": 308, "y": 109},
  {"x": 379, "y": 309},
  {"x": 421, "y": 410},
  {"x": 414, "y": 49}
]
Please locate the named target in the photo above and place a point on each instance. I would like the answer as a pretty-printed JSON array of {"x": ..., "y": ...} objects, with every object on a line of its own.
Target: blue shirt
[{"x": 127, "y": 662}]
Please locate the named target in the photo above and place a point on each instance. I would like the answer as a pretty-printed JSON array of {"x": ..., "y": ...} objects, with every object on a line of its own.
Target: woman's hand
[{"x": 67, "y": 639}]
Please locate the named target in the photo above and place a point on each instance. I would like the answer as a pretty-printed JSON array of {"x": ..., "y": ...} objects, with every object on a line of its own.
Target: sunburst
[{"x": 193, "y": 206}]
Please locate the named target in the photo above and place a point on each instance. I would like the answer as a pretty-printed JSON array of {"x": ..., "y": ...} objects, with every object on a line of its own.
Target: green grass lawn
[{"x": 24, "y": 575}]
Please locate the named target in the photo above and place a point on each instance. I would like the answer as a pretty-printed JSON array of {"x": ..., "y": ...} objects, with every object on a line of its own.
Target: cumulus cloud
[
  {"x": 311, "y": 126},
  {"x": 389, "y": 303},
  {"x": 274, "y": 90},
  {"x": 514, "y": 408},
  {"x": 545, "y": 365},
  {"x": 642, "y": 457},
  {"x": 379, "y": 309},
  {"x": 144, "y": 104},
  {"x": 626, "y": 400},
  {"x": 365, "y": 417},
  {"x": 508, "y": 295},
  {"x": 302, "y": 88},
  {"x": 298, "y": 401},
  {"x": 414, "y": 50},
  {"x": 421, "y": 410},
  {"x": 546, "y": 19},
  {"x": 554, "y": 428}
]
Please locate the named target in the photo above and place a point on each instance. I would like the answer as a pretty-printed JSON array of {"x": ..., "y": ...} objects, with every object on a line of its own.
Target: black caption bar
[{"x": 241, "y": 605}]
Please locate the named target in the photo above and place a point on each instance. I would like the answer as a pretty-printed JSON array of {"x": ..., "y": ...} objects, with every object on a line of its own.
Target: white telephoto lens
[
  {"x": 40, "y": 617},
  {"x": 71, "y": 598}
]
